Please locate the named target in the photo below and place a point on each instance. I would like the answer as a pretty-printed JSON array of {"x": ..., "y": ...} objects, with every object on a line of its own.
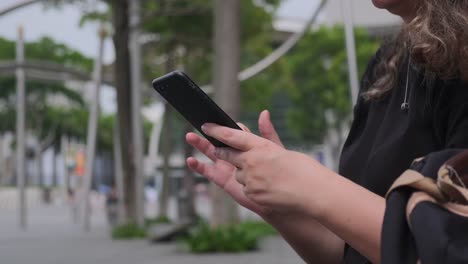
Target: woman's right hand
[{"x": 221, "y": 172}]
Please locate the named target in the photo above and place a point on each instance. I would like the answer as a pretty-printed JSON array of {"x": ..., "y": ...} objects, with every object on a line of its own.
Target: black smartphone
[{"x": 192, "y": 103}]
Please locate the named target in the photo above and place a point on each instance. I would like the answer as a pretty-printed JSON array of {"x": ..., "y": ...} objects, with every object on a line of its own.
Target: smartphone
[{"x": 192, "y": 103}]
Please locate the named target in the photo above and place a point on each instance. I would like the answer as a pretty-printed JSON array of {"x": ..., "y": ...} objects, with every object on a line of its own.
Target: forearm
[
  {"x": 311, "y": 240},
  {"x": 350, "y": 211}
]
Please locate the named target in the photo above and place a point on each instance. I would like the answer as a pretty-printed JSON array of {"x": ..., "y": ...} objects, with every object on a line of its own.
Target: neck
[
  {"x": 409, "y": 13},
  {"x": 408, "y": 18}
]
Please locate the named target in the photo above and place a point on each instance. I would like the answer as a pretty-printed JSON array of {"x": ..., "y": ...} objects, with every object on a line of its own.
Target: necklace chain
[{"x": 405, "y": 104}]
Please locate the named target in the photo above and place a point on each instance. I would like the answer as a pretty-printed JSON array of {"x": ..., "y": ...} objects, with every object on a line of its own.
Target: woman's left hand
[{"x": 272, "y": 176}]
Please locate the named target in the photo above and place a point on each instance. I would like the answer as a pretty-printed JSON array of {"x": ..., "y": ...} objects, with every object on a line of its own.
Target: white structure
[{"x": 365, "y": 14}]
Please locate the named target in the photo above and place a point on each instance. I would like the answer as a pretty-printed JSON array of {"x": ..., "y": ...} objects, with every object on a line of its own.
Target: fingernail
[{"x": 203, "y": 128}]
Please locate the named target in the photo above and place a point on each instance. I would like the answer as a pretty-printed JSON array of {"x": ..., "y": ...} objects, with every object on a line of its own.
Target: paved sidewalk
[{"x": 52, "y": 238}]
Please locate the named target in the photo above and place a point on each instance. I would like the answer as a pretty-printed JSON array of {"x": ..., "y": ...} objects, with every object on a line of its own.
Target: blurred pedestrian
[{"x": 112, "y": 206}]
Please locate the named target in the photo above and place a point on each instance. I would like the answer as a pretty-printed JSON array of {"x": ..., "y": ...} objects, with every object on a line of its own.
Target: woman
[{"x": 413, "y": 101}]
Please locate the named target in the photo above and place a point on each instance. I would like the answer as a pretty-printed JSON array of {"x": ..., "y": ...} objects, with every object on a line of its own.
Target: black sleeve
[
  {"x": 451, "y": 115},
  {"x": 366, "y": 81}
]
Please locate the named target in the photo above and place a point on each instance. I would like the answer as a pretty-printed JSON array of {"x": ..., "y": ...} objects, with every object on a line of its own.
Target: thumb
[{"x": 267, "y": 129}]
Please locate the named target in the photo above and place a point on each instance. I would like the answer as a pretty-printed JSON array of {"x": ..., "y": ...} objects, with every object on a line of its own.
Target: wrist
[
  {"x": 316, "y": 189},
  {"x": 276, "y": 218}
]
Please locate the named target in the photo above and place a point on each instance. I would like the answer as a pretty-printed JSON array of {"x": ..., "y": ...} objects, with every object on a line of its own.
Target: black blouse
[{"x": 384, "y": 139}]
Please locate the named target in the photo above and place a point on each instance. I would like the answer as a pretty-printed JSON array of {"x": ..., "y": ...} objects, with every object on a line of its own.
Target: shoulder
[
  {"x": 450, "y": 111},
  {"x": 447, "y": 95},
  {"x": 369, "y": 74}
]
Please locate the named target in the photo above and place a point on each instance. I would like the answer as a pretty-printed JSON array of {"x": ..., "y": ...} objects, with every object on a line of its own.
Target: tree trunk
[
  {"x": 118, "y": 175},
  {"x": 122, "y": 81},
  {"x": 187, "y": 196},
  {"x": 166, "y": 145},
  {"x": 2, "y": 162},
  {"x": 40, "y": 175},
  {"x": 66, "y": 175},
  {"x": 54, "y": 167},
  {"x": 226, "y": 85},
  {"x": 166, "y": 148},
  {"x": 188, "y": 212}
]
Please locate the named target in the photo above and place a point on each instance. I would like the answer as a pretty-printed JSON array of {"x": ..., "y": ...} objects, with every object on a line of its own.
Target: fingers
[
  {"x": 234, "y": 138},
  {"x": 244, "y": 127},
  {"x": 201, "y": 144},
  {"x": 230, "y": 155},
  {"x": 266, "y": 128},
  {"x": 206, "y": 170},
  {"x": 240, "y": 177},
  {"x": 225, "y": 181},
  {"x": 237, "y": 191}
]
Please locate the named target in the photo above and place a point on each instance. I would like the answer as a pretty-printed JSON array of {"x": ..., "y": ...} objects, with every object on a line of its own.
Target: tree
[
  {"x": 193, "y": 33},
  {"x": 183, "y": 25},
  {"x": 320, "y": 80},
  {"x": 39, "y": 106},
  {"x": 226, "y": 84},
  {"x": 53, "y": 109}
]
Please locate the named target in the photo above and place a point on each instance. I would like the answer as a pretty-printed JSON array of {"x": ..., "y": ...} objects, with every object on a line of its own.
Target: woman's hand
[
  {"x": 259, "y": 174},
  {"x": 223, "y": 173},
  {"x": 271, "y": 176}
]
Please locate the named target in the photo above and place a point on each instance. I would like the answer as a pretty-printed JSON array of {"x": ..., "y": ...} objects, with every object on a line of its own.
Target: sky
[{"x": 63, "y": 24}]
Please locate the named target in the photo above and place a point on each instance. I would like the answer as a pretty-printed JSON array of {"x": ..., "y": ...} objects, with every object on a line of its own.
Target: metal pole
[
  {"x": 137, "y": 131},
  {"x": 92, "y": 132},
  {"x": 266, "y": 62},
  {"x": 346, "y": 7},
  {"x": 20, "y": 129},
  {"x": 19, "y": 5}
]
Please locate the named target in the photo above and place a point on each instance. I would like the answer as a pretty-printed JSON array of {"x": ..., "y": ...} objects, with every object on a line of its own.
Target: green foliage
[
  {"x": 50, "y": 106},
  {"x": 37, "y": 92},
  {"x": 94, "y": 16},
  {"x": 105, "y": 132},
  {"x": 222, "y": 239},
  {"x": 158, "y": 220},
  {"x": 128, "y": 231},
  {"x": 194, "y": 32},
  {"x": 320, "y": 79},
  {"x": 44, "y": 117},
  {"x": 258, "y": 228},
  {"x": 48, "y": 50},
  {"x": 233, "y": 238},
  {"x": 189, "y": 24},
  {"x": 7, "y": 49}
]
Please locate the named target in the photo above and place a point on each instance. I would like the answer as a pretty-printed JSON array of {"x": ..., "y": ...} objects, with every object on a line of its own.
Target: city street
[{"x": 52, "y": 238}]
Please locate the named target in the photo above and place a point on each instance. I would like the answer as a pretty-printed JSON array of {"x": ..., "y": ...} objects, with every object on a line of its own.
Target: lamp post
[{"x": 20, "y": 128}]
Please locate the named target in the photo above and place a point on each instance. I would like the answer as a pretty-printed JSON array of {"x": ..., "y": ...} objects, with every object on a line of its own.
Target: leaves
[
  {"x": 51, "y": 107},
  {"x": 320, "y": 79}
]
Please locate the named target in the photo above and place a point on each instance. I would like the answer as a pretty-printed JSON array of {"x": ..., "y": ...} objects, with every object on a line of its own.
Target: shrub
[
  {"x": 158, "y": 220},
  {"x": 258, "y": 229},
  {"x": 233, "y": 238},
  {"x": 128, "y": 231}
]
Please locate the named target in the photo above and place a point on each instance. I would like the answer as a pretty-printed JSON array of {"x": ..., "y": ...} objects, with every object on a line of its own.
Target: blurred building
[{"x": 365, "y": 14}]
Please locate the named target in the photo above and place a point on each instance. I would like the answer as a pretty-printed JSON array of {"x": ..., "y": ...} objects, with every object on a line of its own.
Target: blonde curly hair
[{"x": 437, "y": 41}]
